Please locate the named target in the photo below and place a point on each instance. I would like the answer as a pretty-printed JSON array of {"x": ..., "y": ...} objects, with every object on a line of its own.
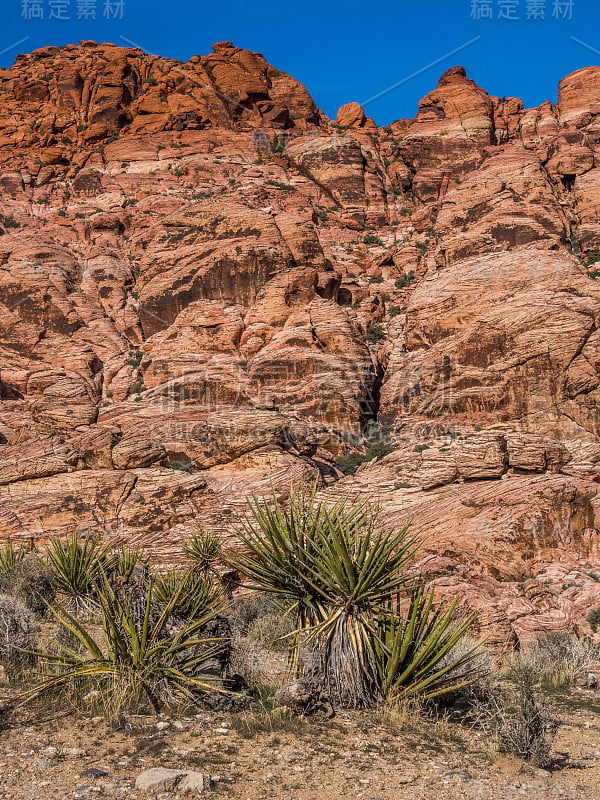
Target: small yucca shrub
[
  {"x": 11, "y": 556},
  {"x": 339, "y": 574},
  {"x": 204, "y": 551},
  {"x": 418, "y": 653},
  {"x": 140, "y": 658},
  {"x": 77, "y": 566},
  {"x": 125, "y": 559},
  {"x": 194, "y": 591}
]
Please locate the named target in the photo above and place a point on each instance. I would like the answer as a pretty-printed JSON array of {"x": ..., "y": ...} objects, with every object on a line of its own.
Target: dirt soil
[{"x": 55, "y": 755}]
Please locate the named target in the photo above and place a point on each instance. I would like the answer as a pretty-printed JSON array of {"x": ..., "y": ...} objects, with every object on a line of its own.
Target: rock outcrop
[{"x": 208, "y": 290}]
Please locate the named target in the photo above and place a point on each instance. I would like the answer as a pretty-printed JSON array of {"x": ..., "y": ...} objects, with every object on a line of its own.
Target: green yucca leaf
[
  {"x": 125, "y": 559},
  {"x": 203, "y": 549},
  {"x": 142, "y": 653},
  {"x": 186, "y": 594},
  {"x": 10, "y": 556},
  {"x": 416, "y": 651},
  {"x": 77, "y": 566}
]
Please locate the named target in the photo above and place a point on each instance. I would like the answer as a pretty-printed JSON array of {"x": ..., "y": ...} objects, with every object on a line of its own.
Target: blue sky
[{"x": 343, "y": 51}]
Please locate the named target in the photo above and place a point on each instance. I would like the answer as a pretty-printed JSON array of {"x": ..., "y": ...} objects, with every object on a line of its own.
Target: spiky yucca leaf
[
  {"x": 333, "y": 568},
  {"x": 10, "y": 556},
  {"x": 139, "y": 656},
  {"x": 77, "y": 565},
  {"x": 203, "y": 549},
  {"x": 195, "y": 591},
  {"x": 416, "y": 652},
  {"x": 125, "y": 559}
]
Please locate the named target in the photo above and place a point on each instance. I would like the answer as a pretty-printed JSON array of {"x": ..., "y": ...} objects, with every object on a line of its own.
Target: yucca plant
[
  {"x": 417, "y": 653},
  {"x": 10, "y": 556},
  {"x": 77, "y": 566},
  {"x": 125, "y": 560},
  {"x": 137, "y": 658},
  {"x": 194, "y": 590},
  {"x": 334, "y": 569},
  {"x": 203, "y": 549}
]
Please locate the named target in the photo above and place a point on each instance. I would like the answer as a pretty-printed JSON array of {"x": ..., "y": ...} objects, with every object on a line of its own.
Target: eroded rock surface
[{"x": 209, "y": 290}]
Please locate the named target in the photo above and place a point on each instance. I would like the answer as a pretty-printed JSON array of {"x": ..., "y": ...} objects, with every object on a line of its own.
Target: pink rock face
[{"x": 208, "y": 290}]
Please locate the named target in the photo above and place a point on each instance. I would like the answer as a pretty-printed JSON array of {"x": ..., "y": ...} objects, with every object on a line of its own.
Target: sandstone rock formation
[{"x": 209, "y": 290}]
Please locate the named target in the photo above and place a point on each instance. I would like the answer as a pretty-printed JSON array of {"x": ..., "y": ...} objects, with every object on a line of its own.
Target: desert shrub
[
  {"x": 375, "y": 333},
  {"x": 558, "y": 660},
  {"x": 592, "y": 258},
  {"x": 18, "y": 633},
  {"x": 203, "y": 550},
  {"x": 348, "y": 464},
  {"x": 182, "y": 466},
  {"x": 594, "y": 619},
  {"x": 77, "y": 565},
  {"x": 338, "y": 573},
  {"x": 194, "y": 591},
  {"x": 244, "y": 610},
  {"x": 406, "y": 279},
  {"x": 10, "y": 556},
  {"x": 137, "y": 659},
  {"x": 517, "y": 719},
  {"x": 260, "y": 636},
  {"x": 376, "y": 440},
  {"x": 30, "y": 582}
]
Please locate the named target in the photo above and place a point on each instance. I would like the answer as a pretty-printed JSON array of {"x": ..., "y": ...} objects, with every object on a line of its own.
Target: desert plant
[
  {"x": 125, "y": 559},
  {"x": 138, "y": 658},
  {"x": 517, "y": 719},
  {"x": 203, "y": 549},
  {"x": 377, "y": 442},
  {"x": 418, "y": 654},
  {"x": 18, "y": 633},
  {"x": 194, "y": 590},
  {"x": 260, "y": 636},
  {"x": 406, "y": 279},
  {"x": 30, "y": 582},
  {"x": 332, "y": 570},
  {"x": 594, "y": 619},
  {"x": 10, "y": 556},
  {"x": 375, "y": 333},
  {"x": 558, "y": 659},
  {"x": 77, "y": 566}
]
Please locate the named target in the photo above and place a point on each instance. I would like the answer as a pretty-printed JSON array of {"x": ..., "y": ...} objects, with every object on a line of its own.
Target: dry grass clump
[
  {"x": 30, "y": 581},
  {"x": 559, "y": 660},
  {"x": 260, "y": 638},
  {"x": 517, "y": 718},
  {"x": 19, "y": 631}
]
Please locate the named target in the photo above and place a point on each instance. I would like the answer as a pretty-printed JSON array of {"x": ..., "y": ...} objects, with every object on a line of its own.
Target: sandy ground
[{"x": 251, "y": 756}]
